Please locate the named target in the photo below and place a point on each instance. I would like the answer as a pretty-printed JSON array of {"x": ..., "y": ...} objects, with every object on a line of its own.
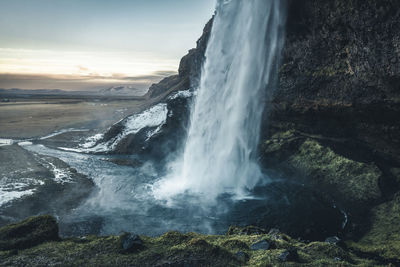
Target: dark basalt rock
[
  {"x": 131, "y": 242},
  {"x": 332, "y": 240},
  {"x": 29, "y": 233},
  {"x": 189, "y": 69},
  {"x": 242, "y": 256},
  {"x": 260, "y": 245},
  {"x": 289, "y": 255}
]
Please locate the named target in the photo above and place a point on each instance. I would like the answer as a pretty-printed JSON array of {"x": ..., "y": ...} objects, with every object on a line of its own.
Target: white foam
[
  {"x": 24, "y": 143},
  {"x": 91, "y": 141}
]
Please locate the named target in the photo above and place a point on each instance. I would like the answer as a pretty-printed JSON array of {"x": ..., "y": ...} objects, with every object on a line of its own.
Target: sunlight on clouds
[{"x": 114, "y": 65}]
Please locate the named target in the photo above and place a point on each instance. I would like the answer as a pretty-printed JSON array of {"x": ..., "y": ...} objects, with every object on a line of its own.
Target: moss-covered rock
[
  {"x": 383, "y": 237},
  {"x": 350, "y": 182},
  {"x": 179, "y": 249},
  {"x": 28, "y": 233}
]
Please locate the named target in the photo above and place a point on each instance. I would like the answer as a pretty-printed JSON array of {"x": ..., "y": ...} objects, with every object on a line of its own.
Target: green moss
[
  {"x": 174, "y": 248},
  {"x": 28, "y": 233},
  {"x": 383, "y": 238},
  {"x": 248, "y": 230},
  {"x": 350, "y": 180},
  {"x": 396, "y": 174}
]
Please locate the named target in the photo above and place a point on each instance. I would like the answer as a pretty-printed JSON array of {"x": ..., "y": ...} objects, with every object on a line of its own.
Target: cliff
[
  {"x": 188, "y": 72},
  {"x": 332, "y": 124}
]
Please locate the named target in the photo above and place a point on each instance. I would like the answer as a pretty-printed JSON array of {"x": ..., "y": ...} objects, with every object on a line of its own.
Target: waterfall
[{"x": 239, "y": 70}]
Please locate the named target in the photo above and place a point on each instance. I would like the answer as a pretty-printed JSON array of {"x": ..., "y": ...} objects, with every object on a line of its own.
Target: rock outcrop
[
  {"x": 28, "y": 233},
  {"x": 189, "y": 70},
  {"x": 333, "y": 122}
]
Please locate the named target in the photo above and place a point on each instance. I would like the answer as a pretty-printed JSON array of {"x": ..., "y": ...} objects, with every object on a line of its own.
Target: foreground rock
[
  {"x": 28, "y": 233},
  {"x": 38, "y": 245}
]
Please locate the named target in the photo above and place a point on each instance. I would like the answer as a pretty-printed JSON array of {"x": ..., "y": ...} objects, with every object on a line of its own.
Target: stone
[
  {"x": 29, "y": 233},
  {"x": 289, "y": 255},
  {"x": 332, "y": 240},
  {"x": 131, "y": 242},
  {"x": 260, "y": 245},
  {"x": 242, "y": 256}
]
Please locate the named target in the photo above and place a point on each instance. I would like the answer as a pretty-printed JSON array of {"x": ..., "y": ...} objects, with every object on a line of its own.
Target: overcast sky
[{"x": 84, "y": 44}]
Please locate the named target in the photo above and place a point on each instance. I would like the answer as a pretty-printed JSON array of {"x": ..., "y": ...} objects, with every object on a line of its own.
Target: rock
[
  {"x": 332, "y": 240},
  {"x": 189, "y": 69},
  {"x": 29, "y": 233},
  {"x": 275, "y": 234},
  {"x": 242, "y": 256},
  {"x": 383, "y": 235},
  {"x": 274, "y": 231},
  {"x": 131, "y": 242},
  {"x": 248, "y": 230},
  {"x": 354, "y": 184},
  {"x": 260, "y": 245},
  {"x": 289, "y": 255}
]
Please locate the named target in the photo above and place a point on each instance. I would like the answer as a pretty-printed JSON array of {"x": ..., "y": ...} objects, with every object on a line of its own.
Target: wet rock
[
  {"x": 242, "y": 256},
  {"x": 29, "y": 233},
  {"x": 131, "y": 242},
  {"x": 260, "y": 245},
  {"x": 382, "y": 238},
  {"x": 289, "y": 255},
  {"x": 332, "y": 240},
  {"x": 350, "y": 182},
  {"x": 275, "y": 233}
]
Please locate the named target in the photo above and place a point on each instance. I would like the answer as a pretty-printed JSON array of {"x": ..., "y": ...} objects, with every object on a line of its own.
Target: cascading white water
[{"x": 241, "y": 61}]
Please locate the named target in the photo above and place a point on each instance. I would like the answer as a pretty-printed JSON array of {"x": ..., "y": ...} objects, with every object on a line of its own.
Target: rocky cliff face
[
  {"x": 340, "y": 75},
  {"x": 189, "y": 69},
  {"x": 334, "y": 121}
]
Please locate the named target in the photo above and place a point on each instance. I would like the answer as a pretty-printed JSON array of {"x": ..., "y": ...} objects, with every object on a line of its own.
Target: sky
[{"x": 93, "y": 44}]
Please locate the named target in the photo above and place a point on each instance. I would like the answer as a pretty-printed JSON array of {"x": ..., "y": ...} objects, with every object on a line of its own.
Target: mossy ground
[
  {"x": 178, "y": 249},
  {"x": 383, "y": 237}
]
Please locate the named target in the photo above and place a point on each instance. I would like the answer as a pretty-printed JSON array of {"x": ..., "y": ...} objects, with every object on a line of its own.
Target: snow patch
[
  {"x": 155, "y": 116},
  {"x": 181, "y": 94}
]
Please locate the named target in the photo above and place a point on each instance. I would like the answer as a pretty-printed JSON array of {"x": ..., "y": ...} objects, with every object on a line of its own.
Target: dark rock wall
[
  {"x": 334, "y": 121},
  {"x": 341, "y": 71},
  {"x": 189, "y": 69}
]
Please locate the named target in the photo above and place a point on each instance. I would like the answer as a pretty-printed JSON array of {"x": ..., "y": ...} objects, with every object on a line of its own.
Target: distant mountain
[
  {"x": 120, "y": 91},
  {"x": 17, "y": 91},
  {"x": 111, "y": 91}
]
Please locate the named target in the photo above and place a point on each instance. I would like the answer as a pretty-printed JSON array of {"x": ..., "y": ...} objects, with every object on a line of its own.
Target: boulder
[
  {"x": 131, "y": 242},
  {"x": 260, "y": 245},
  {"x": 29, "y": 233}
]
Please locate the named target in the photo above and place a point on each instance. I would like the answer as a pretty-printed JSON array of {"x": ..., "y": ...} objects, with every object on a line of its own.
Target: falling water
[{"x": 241, "y": 63}]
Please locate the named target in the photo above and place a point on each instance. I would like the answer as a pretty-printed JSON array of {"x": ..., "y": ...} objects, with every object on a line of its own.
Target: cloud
[
  {"x": 82, "y": 68},
  {"x": 79, "y": 81}
]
